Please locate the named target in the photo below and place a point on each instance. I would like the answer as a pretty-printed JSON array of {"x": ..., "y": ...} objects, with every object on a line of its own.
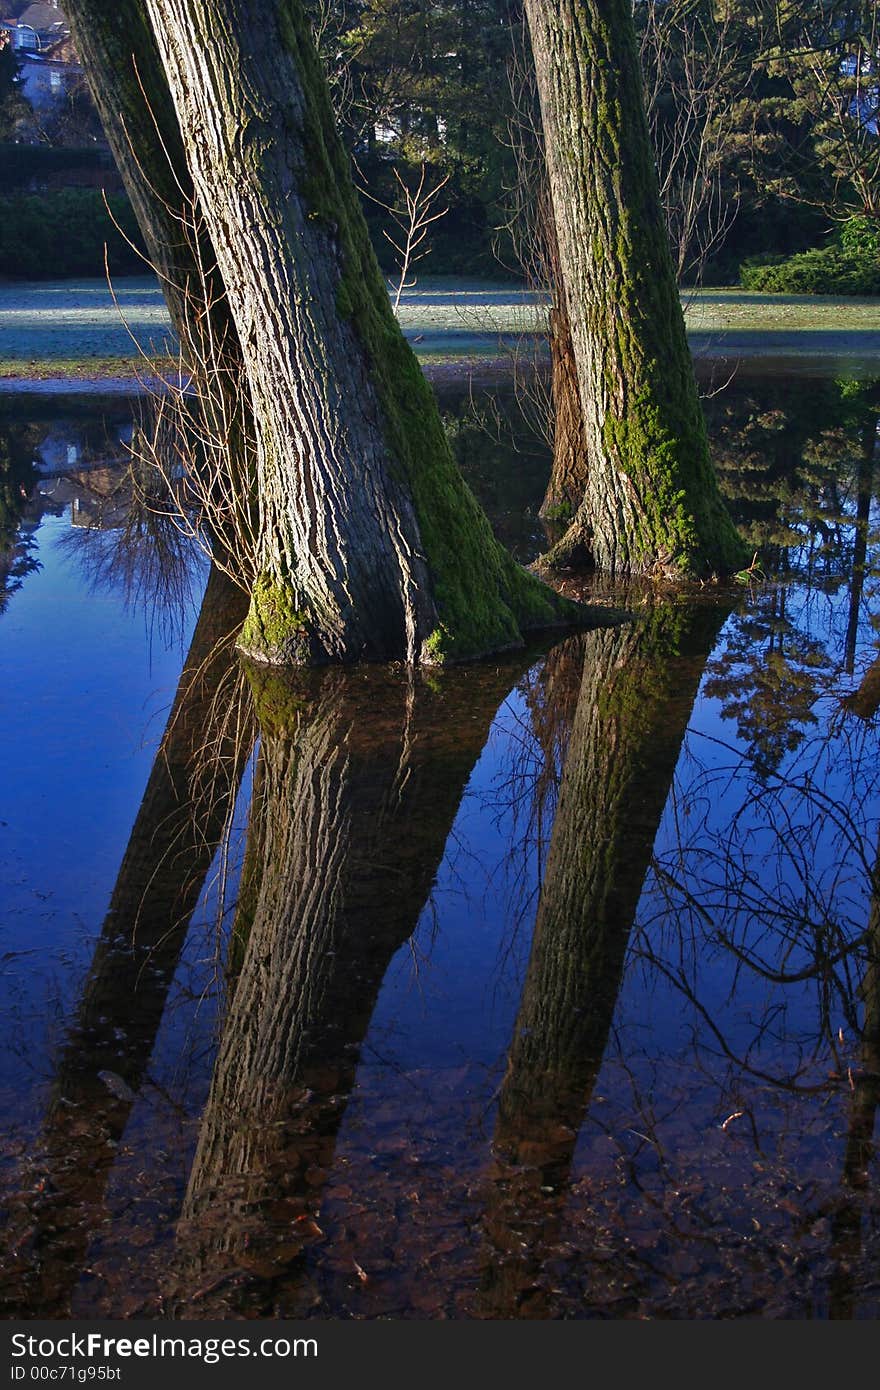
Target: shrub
[
  {"x": 852, "y": 267},
  {"x": 34, "y": 168},
  {"x": 55, "y": 235},
  {"x": 860, "y": 236}
]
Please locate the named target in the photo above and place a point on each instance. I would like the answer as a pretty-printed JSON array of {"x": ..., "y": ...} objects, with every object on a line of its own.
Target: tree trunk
[
  {"x": 371, "y": 544},
  {"x": 651, "y": 503},
  {"x": 569, "y": 466},
  {"x": 568, "y": 472},
  {"x": 362, "y": 779},
  {"x": 116, "y": 47}
]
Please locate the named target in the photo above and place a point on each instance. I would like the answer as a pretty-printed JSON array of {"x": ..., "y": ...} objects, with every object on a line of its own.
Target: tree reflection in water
[
  {"x": 182, "y": 818},
  {"x": 17, "y": 477},
  {"x": 637, "y": 691},
  {"x": 362, "y": 773},
  {"x": 683, "y": 1122}
]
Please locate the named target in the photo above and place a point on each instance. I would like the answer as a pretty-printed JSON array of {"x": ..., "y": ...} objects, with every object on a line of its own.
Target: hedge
[
  {"x": 26, "y": 168},
  {"x": 826, "y": 270},
  {"x": 50, "y": 236}
]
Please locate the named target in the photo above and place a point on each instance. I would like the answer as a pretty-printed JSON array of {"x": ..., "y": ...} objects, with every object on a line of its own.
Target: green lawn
[
  {"x": 716, "y": 311},
  {"x": 75, "y": 329}
]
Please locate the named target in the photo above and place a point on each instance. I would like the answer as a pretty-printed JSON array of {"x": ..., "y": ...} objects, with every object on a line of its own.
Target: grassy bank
[{"x": 75, "y": 329}]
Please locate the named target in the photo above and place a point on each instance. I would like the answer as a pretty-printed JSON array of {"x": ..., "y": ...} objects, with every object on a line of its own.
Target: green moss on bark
[
  {"x": 651, "y": 500},
  {"x": 276, "y": 629},
  {"x": 281, "y": 697},
  {"x": 684, "y": 529},
  {"x": 484, "y": 600}
]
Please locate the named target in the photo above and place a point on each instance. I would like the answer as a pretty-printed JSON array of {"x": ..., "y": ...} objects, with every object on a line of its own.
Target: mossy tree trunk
[
  {"x": 650, "y": 502},
  {"x": 371, "y": 544},
  {"x": 362, "y": 777}
]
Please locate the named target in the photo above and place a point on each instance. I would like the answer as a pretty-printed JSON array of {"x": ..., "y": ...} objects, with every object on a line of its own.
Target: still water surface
[{"x": 548, "y": 987}]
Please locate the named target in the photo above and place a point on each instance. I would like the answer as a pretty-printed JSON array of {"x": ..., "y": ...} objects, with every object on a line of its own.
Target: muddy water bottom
[
  {"x": 419, "y": 1220},
  {"x": 546, "y": 988}
]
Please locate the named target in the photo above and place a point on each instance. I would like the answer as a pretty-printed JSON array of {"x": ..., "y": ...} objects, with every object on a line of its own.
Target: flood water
[{"x": 543, "y": 988}]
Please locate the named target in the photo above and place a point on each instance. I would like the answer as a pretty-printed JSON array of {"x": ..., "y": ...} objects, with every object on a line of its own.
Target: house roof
[{"x": 42, "y": 17}]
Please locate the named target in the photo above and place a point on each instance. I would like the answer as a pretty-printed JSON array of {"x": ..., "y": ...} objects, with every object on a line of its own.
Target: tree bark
[
  {"x": 568, "y": 471},
  {"x": 117, "y": 49},
  {"x": 372, "y": 546},
  {"x": 650, "y": 502}
]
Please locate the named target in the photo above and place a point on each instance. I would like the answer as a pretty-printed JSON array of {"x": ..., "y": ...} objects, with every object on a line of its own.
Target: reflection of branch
[
  {"x": 133, "y": 546},
  {"x": 803, "y": 925},
  {"x": 529, "y": 789},
  {"x": 847, "y": 1220}
]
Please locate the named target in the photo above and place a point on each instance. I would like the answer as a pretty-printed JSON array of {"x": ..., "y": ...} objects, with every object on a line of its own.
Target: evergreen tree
[{"x": 13, "y": 104}]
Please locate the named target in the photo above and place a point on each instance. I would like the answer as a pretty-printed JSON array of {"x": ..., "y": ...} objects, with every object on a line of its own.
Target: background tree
[
  {"x": 422, "y": 83},
  {"x": 13, "y": 105},
  {"x": 829, "y": 52},
  {"x": 695, "y": 70},
  {"x": 650, "y": 501}
]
